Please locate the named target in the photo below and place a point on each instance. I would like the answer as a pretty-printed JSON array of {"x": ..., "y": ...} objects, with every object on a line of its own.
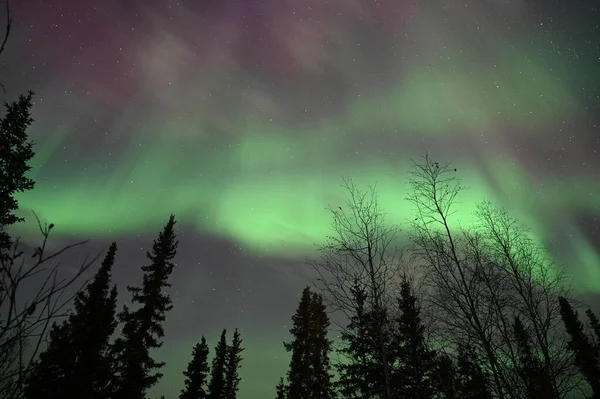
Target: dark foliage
[
  {"x": 530, "y": 369},
  {"x": 446, "y": 378},
  {"x": 233, "y": 362},
  {"x": 472, "y": 381},
  {"x": 143, "y": 330},
  {"x": 281, "y": 389},
  {"x": 361, "y": 374},
  {"x": 77, "y": 362},
  {"x": 586, "y": 357},
  {"x": 196, "y": 375},
  {"x": 217, "y": 386},
  {"x": 415, "y": 368},
  {"x": 309, "y": 373},
  {"x": 595, "y": 324},
  {"x": 15, "y": 153}
]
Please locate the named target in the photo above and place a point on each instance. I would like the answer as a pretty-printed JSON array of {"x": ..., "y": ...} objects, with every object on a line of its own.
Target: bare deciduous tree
[
  {"x": 33, "y": 294},
  {"x": 361, "y": 253},
  {"x": 480, "y": 279}
]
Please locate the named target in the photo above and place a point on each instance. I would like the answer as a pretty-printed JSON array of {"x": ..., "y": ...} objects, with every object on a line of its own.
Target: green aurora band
[{"x": 269, "y": 191}]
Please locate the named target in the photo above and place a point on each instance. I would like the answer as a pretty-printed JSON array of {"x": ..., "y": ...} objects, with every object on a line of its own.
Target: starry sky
[{"x": 242, "y": 116}]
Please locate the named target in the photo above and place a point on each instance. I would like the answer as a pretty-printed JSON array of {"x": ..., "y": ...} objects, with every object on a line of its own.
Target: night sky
[{"x": 241, "y": 117}]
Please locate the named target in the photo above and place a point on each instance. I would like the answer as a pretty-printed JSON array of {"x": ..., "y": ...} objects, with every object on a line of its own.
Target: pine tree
[
  {"x": 15, "y": 154},
  {"x": 77, "y": 362},
  {"x": 48, "y": 372},
  {"x": 196, "y": 375},
  {"x": 584, "y": 351},
  {"x": 321, "y": 386},
  {"x": 232, "y": 366},
  {"x": 308, "y": 375},
  {"x": 446, "y": 381},
  {"x": 361, "y": 373},
  {"x": 143, "y": 330},
  {"x": 529, "y": 367},
  {"x": 281, "y": 389},
  {"x": 595, "y": 324},
  {"x": 217, "y": 387},
  {"x": 471, "y": 380},
  {"x": 414, "y": 375}
]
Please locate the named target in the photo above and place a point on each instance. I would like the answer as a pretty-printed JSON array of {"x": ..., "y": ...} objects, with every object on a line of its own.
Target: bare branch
[
  {"x": 361, "y": 254},
  {"x": 33, "y": 295}
]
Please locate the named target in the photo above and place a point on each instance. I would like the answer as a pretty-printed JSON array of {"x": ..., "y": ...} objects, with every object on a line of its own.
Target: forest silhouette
[{"x": 472, "y": 313}]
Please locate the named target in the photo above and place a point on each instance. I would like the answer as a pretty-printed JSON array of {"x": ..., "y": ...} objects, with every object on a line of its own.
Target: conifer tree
[
  {"x": 361, "y": 374},
  {"x": 446, "y": 382},
  {"x": 529, "y": 367},
  {"x": 414, "y": 375},
  {"x": 196, "y": 375},
  {"x": 280, "y": 389},
  {"x": 142, "y": 329},
  {"x": 15, "y": 153},
  {"x": 472, "y": 382},
  {"x": 321, "y": 386},
  {"x": 217, "y": 385},
  {"x": 308, "y": 375},
  {"x": 585, "y": 355},
  {"x": 77, "y": 362},
  {"x": 595, "y": 324},
  {"x": 232, "y": 366}
]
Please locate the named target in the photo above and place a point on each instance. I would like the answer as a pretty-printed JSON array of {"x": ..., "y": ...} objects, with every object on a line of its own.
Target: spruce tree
[
  {"x": 446, "y": 381},
  {"x": 15, "y": 153},
  {"x": 529, "y": 367},
  {"x": 142, "y": 329},
  {"x": 196, "y": 375},
  {"x": 308, "y": 375},
  {"x": 232, "y": 366},
  {"x": 217, "y": 387},
  {"x": 281, "y": 389},
  {"x": 48, "y": 372},
  {"x": 472, "y": 382},
  {"x": 361, "y": 374},
  {"x": 414, "y": 375},
  {"x": 595, "y": 324},
  {"x": 586, "y": 358},
  {"x": 77, "y": 362},
  {"x": 321, "y": 386}
]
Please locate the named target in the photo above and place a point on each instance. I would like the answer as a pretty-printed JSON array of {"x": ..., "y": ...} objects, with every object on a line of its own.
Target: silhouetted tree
[
  {"x": 232, "y": 365},
  {"x": 478, "y": 278},
  {"x": 446, "y": 378},
  {"x": 217, "y": 386},
  {"x": 586, "y": 357},
  {"x": 280, "y": 389},
  {"x": 595, "y": 324},
  {"x": 361, "y": 373},
  {"x": 77, "y": 361},
  {"x": 27, "y": 308},
  {"x": 472, "y": 382},
  {"x": 529, "y": 368},
  {"x": 308, "y": 375},
  {"x": 196, "y": 375},
  {"x": 361, "y": 250},
  {"x": 143, "y": 330},
  {"x": 414, "y": 373},
  {"x": 15, "y": 153}
]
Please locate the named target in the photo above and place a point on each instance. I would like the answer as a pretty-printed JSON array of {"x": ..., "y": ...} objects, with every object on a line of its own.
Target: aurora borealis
[{"x": 241, "y": 117}]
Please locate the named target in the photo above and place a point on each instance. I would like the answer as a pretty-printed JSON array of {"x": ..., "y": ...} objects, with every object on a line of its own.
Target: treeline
[
  {"x": 79, "y": 357},
  {"x": 477, "y": 311}
]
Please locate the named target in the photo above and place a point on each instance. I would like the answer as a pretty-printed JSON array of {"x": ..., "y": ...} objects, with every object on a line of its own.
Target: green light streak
[{"x": 268, "y": 186}]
